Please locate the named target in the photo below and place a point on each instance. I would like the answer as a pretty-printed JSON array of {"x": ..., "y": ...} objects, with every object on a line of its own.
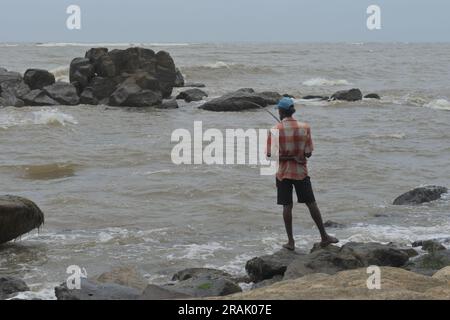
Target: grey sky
[{"x": 224, "y": 21}]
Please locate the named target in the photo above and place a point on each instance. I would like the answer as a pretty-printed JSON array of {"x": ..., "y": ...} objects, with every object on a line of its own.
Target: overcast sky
[{"x": 224, "y": 21}]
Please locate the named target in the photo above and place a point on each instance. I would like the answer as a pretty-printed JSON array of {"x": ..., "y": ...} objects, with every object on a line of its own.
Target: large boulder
[
  {"x": 11, "y": 285},
  {"x": 17, "y": 217},
  {"x": 38, "y": 98},
  {"x": 420, "y": 195},
  {"x": 99, "y": 88},
  {"x": 235, "y": 101},
  {"x": 352, "y": 255},
  {"x": 62, "y": 92},
  {"x": 38, "y": 78},
  {"x": 81, "y": 72},
  {"x": 17, "y": 88},
  {"x": 92, "y": 290},
  {"x": 347, "y": 95},
  {"x": 396, "y": 284},
  {"x": 8, "y": 99},
  {"x": 192, "y": 95},
  {"x": 9, "y": 76},
  {"x": 269, "y": 266}
]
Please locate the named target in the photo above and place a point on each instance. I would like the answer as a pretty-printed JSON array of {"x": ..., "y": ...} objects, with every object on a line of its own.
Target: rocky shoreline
[{"x": 420, "y": 270}]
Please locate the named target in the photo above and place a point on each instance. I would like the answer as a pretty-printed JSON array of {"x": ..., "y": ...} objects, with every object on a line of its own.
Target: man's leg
[
  {"x": 317, "y": 217},
  {"x": 287, "y": 216}
]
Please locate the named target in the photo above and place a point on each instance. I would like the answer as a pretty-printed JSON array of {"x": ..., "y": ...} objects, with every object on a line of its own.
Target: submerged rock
[
  {"x": 235, "y": 101},
  {"x": 11, "y": 285},
  {"x": 311, "y": 97},
  {"x": 17, "y": 217},
  {"x": 372, "y": 96},
  {"x": 192, "y": 95},
  {"x": 168, "y": 104},
  {"x": 420, "y": 195},
  {"x": 38, "y": 78},
  {"x": 194, "y": 85},
  {"x": 429, "y": 245},
  {"x": 347, "y": 95}
]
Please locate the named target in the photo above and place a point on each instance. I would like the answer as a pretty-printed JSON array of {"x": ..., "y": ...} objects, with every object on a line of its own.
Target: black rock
[
  {"x": 102, "y": 87},
  {"x": 420, "y": 195},
  {"x": 88, "y": 97},
  {"x": 235, "y": 101},
  {"x": 38, "y": 78},
  {"x": 347, "y": 95},
  {"x": 311, "y": 97},
  {"x": 192, "y": 95},
  {"x": 372, "y": 96},
  {"x": 10, "y": 285},
  {"x": 271, "y": 97},
  {"x": 9, "y": 76},
  {"x": 38, "y": 98},
  {"x": 179, "y": 79},
  {"x": 94, "y": 54},
  {"x": 17, "y": 217},
  {"x": 199, "y": 272},
  {"x": 81, "y": 71},
  {"x": 269, "y": 266},
  {"x": 168, "y": 104},
  {"x": 17, "y": 88},
  {"x": 62, "y": 92},
  {"x": 8, "y": 99}
]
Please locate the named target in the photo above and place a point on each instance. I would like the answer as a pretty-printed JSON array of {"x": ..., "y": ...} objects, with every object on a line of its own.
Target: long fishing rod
[{"x": 260, "y": 106}]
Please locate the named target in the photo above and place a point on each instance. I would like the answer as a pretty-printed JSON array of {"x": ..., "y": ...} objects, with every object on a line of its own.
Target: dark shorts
[{"x": 303, "y": 189}]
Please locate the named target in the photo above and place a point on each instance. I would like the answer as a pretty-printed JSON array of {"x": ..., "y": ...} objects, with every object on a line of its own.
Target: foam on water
[
  {"x": 61, "y": 73},
  {"x": 12, "y": 117},
  {"x": 438, "y": 104},
  {"x": 322, "y": 82}
]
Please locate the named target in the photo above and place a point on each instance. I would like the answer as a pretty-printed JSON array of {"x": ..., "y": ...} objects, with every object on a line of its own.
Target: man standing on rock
[{"x": 295, "y": 146}]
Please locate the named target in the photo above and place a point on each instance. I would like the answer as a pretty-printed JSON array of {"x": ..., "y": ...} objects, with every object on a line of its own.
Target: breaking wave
[
  {"x": 61, "y": 73},
  {"x": 45, "y": 116},
  {"x": 320, "y": 82},
  {"x": 229, "y": 67},
  {"x": 438, "y": 104}
]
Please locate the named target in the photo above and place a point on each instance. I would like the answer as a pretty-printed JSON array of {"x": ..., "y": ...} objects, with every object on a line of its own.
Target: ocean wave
[
  {"x": 438, "y": 104},
  {"x": 45, "y": 116},
  {"x": 400, "y": 135},
  {"x": 61, "y": 73},
  {"x": 321, "y": 82}
]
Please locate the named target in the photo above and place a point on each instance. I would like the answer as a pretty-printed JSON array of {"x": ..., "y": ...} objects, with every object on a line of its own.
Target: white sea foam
[
  {"x": 218, "y": 65},
  {"x": 196, "y": 251},
  {"x": 61, "y": 73},
  {"x": 400, "y": 135},
  {"x": 438, "y": 104},
  {"x": 44, "y": 294},
  {"x": 45, "y": 116},
  {"x": 321, "y": 82}
]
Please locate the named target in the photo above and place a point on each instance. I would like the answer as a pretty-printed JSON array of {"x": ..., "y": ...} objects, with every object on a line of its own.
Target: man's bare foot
[
  {"x": 289, "y": 246},
  {"x": 328, "y": 240}
]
